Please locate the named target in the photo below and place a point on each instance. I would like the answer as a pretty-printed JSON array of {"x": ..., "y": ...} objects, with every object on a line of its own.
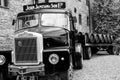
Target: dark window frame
[
  {"x": 80, "y": 19},
  {"x": 4, "y": 3},
  {"x": 88, "y": 22}
]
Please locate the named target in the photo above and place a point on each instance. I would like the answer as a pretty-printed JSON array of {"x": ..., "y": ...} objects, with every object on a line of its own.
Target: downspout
[{"x": 90, "y": 17}]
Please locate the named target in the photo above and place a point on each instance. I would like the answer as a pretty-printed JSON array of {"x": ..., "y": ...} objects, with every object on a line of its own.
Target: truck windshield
[
  {"x": 54, "y": 19},
  {"x": 27, "y": 21},
  {"x": 46, "y": 19}
]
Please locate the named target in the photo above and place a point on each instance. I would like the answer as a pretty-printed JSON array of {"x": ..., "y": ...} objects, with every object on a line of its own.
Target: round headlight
[
  {"x": 2, "y": 59},
  {"x": 54, "y": 59}
]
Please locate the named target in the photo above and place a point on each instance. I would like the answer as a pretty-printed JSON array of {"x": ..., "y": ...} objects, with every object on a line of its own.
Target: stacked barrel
[{"x": 98, "y": 38}]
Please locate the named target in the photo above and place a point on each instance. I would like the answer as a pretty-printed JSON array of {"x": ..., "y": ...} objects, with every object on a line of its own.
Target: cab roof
[{"x": 42, "y": 11}]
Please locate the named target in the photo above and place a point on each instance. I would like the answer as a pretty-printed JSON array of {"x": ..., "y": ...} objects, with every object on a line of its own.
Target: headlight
[
  {"x": 54, "y": 59},
  {"x": 2, "y": 59}
]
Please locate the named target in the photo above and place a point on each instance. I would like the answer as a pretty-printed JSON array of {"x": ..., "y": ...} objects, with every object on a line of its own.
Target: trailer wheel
[
  {"x": 94, "y": 50},
  {"x": 88, "y": 52},
  {"x": 111, "y": 50},
  {"x": 116, "y": 50},
  {"x": 67, "y": 75}
]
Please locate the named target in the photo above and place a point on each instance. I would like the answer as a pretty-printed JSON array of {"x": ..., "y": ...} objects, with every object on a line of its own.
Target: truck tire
[
  {"x": 97, "y": 38},
  {"x": 111, "y": 51},
  {"x": 88, "y": 52},
  {"x": 102, "y": 40},
  {"x": 79, "y": 62},
  {"x": 116, "y": 50},
  {"x": 67, "y": 75},
  {"x": 112, "y": 38},
  {"x": 1, "y": 76},
  {"x": 94, "y": 50},
  {"x": 78, "y": 57},
  {"x": 4, "y": 74},
  {"x": 87, "y": 39},
  {"x": 106, "y": 39},
  {"x": 92, "y": 38}
]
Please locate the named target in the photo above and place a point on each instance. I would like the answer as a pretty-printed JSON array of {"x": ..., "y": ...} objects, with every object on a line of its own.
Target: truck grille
[{"x": 25, "y": 50}]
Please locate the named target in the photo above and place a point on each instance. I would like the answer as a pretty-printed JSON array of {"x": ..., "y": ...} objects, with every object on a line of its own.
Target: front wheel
[
  {"x": 1, "y": 76},
  {"x": 78, "y": 63},
  {"x": 78, "y": 57},
  {"x": 67, "y": 75}
]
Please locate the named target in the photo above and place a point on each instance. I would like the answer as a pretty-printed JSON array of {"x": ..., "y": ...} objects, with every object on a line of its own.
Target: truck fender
[{"x": 78, "y": 48}]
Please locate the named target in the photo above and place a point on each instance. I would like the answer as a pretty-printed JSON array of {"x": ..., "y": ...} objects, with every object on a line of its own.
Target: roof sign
[{"x": 53, "y": 5}]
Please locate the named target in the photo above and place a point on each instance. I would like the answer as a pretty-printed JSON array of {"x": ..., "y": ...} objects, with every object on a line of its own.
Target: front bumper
[{"x": 26, "y": 69}]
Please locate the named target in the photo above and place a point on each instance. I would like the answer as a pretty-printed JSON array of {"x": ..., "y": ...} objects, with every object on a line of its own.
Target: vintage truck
[{"x": 46, "y": 43}]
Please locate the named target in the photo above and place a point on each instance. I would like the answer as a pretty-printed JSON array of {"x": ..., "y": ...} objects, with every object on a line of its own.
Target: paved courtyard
[{"x": 100, "y": 67}]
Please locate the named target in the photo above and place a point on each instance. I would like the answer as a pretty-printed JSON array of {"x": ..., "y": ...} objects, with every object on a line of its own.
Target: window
[
  {"x": 35, "y": 1},
  {"x": 52, "y": 19},
  {"x": 75, "y": 10},
  {"x": 46, "y": 1},
  {"x": 4, "y": 3},
  {"x": 87, "y": 21},
  {"x": 80, "y": 19},
  {"x": 28, "y": 21}
]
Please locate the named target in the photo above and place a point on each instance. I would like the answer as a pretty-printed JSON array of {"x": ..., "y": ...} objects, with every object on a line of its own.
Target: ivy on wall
[{"x": 105, "y": 17}]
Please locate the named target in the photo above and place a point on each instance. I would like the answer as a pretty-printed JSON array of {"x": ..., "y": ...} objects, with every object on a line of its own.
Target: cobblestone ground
[{"x": 100, "y": 67}]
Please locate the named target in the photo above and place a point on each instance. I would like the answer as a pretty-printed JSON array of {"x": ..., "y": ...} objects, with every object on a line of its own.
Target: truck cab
[{"x": 45, "y": 42}]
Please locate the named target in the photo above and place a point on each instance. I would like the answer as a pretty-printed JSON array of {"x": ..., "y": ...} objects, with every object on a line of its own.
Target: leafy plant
[{"x": 104, "y": 20}]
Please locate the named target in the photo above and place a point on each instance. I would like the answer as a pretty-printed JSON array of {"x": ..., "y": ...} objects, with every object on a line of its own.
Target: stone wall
[{"x": 7, "y": 14}]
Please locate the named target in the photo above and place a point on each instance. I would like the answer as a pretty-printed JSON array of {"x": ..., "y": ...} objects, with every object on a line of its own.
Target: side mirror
[
  {"x": 13, "y": 22},
  {"x": 75, "y": 19}
]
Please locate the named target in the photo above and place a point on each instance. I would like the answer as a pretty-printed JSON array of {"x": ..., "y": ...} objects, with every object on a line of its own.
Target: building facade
[{"x": 8, "y": 11}]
